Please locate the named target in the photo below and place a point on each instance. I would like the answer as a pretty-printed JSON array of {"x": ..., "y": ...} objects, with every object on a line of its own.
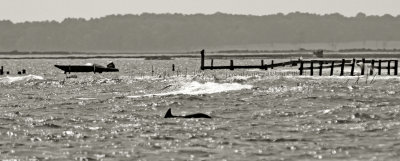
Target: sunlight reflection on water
[{"x": 257, "y": 115}]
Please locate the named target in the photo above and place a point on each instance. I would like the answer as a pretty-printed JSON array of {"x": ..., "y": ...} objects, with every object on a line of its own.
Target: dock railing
[{"x": 320, "y": 65}]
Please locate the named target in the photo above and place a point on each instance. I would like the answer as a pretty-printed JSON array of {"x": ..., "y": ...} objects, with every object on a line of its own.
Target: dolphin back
[
  {"x": 197, "y": 115},
  {"x": 168, "y": 114}
]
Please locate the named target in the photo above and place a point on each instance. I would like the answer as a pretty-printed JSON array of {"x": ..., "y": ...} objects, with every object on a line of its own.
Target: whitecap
[
  {"x": 12, "y": 79},
  {"x": 83, "y": 98},
  {"x": 196, "y": 88}
]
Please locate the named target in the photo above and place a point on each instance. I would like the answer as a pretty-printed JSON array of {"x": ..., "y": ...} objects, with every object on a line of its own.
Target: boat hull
[{"x": 85, "y": 68}]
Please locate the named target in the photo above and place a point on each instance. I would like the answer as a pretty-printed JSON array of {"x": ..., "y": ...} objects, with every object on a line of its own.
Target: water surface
[{"x": 257, "y": 114}]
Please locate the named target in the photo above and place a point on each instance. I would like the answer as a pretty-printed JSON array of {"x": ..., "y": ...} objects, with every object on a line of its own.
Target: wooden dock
[{"x": 320, "y": 64}]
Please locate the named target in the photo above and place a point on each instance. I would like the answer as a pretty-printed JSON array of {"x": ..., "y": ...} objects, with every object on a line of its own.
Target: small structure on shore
[{"x": 319, "y": 53}]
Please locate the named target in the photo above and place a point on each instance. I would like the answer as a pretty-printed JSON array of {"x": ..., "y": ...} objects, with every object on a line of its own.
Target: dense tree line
[{"x": 155, "y": 32}]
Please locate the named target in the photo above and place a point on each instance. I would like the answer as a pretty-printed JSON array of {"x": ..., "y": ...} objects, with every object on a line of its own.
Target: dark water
[{"x": 257, "y": 115}]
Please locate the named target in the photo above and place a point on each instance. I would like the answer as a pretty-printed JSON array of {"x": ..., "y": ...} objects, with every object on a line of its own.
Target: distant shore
[{"x": 223, "y": 54}]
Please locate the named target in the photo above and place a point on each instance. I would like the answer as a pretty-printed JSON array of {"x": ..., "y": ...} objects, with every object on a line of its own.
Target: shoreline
[{"x": 227, "y": 54}]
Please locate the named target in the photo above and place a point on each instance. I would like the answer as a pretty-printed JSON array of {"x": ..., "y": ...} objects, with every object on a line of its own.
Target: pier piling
[
  {"x": 202, "y": 60},
  {"x": 342, "y": 67},
  {"x": 212, "y": 64},
  {"x": 262, "y": 64},
  {"x": 272, "y": 64},
  {"x": 371, "y": 71},
  {"x": 379, "y": 67},
  {"x": 352, "y": 67},
  {"x": 301, "y": 68},
  {"x": 388, "y": 68},
  {"x": 363, "y": 66},
  {"x": 232, "y": 68},
  {"x": 332, "y": 66},
  {"x": 396, "y": 65},
  {"x": 312, "y": 68},
  {"x": 320, "y": 68}
]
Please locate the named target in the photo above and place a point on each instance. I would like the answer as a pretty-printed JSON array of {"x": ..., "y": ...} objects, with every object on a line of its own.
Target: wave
[
  {"x": 25, "y": 78},
  {"x": 196, "y": 88},
  {"x": 86, "y": 98},
  {"x": 361, "y": 77}
]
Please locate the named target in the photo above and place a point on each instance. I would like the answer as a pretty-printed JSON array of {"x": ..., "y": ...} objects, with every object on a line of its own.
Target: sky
[{"x": 41, "y": 10}]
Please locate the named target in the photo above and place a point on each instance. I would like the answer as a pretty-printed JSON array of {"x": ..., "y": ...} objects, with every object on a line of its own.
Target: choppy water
[{"x": 257, "y": 115}]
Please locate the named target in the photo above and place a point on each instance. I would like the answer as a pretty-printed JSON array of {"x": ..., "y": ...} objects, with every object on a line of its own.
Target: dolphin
[{"x": 196, "y": 115}]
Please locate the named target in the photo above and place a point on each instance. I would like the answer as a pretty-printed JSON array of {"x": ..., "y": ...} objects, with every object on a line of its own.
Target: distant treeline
[{"x": 171, "y": 32}]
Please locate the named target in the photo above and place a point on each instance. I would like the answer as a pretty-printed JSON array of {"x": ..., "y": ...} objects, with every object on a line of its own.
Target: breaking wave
[
  {"x": 25, "y": 78},
  {"x": 196, "y": 88}
]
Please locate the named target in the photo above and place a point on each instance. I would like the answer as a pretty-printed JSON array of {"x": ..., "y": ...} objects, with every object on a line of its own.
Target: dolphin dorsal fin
[{"x": 168, "y": 114}]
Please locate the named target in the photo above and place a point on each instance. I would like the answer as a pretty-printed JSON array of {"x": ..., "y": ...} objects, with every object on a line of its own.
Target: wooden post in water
[
  {"x": 272, "y": 64},
  {"x": 388, "y": 67},
  {"x": 320, "y": 68},
  {"x": 379, "y": 67},
  {"x": 23, "y": 71},
  {"x": 363, "y": 66},
  {"x": 232, "y": 65},
  {"x": 1, "y": 71},
  {"x": 152, "y": 70},
  {"x": 173, "y": 67},
  {"x": 342, "y": 67},
  {"x": 202, "y": 60},
  {"x": 352, "y": 67},
  {"x": 262, "y": 64},
  {"x": 332, "y": 66},
  {"x": 212, "y": 64},
  {"x": 312, "y": 68},
  {"x": 301, "y": 68},
  {"x": 396, "y": 65},
  {"x": 371, "y": 71}
]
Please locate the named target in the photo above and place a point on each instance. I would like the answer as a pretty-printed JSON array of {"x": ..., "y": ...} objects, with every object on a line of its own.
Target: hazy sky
[{"x": 38, "y": 10}]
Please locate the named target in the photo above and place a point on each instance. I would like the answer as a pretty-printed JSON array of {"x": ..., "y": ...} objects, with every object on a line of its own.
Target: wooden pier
[{"x": 319, "y": 65}]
